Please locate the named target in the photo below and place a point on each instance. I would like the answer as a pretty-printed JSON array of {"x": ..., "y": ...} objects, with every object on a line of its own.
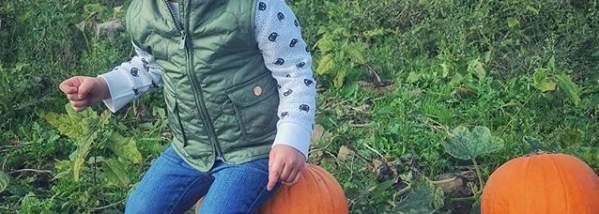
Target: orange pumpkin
[
  {"x": 542, "y": 183},
  {"x": 317, "y": 192}
]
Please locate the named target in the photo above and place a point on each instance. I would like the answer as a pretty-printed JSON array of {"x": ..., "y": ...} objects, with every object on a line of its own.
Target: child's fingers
[
  {"x": 68, "y": 87},
  {"x": 74, "y": 97},
  {"x": 297, "y": 178},
  {"x": 287, "y": 170},
  {"x": 289, "y": 179},
  {"x": 85, "y": 87},
  {"x": 274, "y": 172},
  {"x": 79, "y": 104}
]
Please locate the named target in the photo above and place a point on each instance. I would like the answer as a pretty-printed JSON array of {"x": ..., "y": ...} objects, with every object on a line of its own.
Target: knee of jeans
[{"x": 136, "y": 204}]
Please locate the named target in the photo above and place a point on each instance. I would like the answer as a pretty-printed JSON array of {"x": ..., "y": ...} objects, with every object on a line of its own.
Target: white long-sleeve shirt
[{"x": 285, "y": 54}]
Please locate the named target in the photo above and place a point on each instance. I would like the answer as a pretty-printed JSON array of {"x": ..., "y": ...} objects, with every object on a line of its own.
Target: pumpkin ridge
[
  {"x": 527, "y": 167},
  {"x": 320, "y": 179},
  {"x": 561, "y": 179}
]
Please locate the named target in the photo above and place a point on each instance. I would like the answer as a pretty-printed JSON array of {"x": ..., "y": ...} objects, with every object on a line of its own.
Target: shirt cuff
[
  {"x": 294, "y": 135},
  {"x": 119, "y": 88}
]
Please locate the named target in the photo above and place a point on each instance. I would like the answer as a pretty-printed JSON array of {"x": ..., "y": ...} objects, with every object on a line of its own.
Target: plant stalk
[{"x": 479, "y": 175}]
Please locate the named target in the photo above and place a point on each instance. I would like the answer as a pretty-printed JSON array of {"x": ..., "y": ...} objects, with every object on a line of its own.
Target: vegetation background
[{"x": 419, "y": 101}]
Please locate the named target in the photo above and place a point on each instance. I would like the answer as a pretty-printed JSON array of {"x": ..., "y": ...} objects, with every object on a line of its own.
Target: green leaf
[
  {"x": 326, "y": 44},
  {"x": 413, "y": 77},
  {"x": 477, "y": 68},
  {"x": 94, "y": 8},
  {"x": 444, "y": 70},
  {"x": 84, "y": 128},
  {"x": 71, "y": 124},
  {"x": 512, "y": 22},
  {"x": 532, "y": 9},
  {"x": 467, "y": 145},
  {"x": 356, "y": 52},
  {"x": 424, "y": 198},
  {"x": 116, "y": 173},
  {"x": 125, "y": 148},
  {"x": 4, "y": 181},
  {"x": 340, "y": 76},
  {"x": 80, "y": 154},
  {"x": 325, "y": 64},
  {"x": 65, "y": 125},
  {"x": 541, "y": 80},
  {"x": 551, "y": 63},
  {"x": 569, "y": 87}
]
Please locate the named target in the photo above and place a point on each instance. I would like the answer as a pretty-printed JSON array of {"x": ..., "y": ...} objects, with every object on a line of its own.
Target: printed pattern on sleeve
[
  {"x": 131, "y": 79},
  {"x": 287, "y": 55}
]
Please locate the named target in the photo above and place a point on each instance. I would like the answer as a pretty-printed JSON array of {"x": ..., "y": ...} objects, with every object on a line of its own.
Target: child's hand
[
  {"x": 84, "y": 91},
  {"x": 286, "y": 164}
]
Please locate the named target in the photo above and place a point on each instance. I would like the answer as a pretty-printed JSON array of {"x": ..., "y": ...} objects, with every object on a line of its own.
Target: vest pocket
[
  {"x": 256, "y": 103},
  {"x": 174, "y": 121}
]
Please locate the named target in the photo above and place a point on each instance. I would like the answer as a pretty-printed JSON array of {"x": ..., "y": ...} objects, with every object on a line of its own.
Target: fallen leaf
[
  {"x": 345, "y": 153},
  {"x": 382, "y": 169},
  {"x": 317, "y": 133},
  {"x": 450, "y": 183}
]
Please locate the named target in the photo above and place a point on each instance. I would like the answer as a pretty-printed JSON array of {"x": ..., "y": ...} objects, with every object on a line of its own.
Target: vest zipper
[
  {"x": 197, "y": 94},
  {"x": 183, "y": 38}
]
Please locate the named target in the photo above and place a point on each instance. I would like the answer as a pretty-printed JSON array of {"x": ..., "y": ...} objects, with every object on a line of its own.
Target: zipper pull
[{"x": 182, "y": 42}]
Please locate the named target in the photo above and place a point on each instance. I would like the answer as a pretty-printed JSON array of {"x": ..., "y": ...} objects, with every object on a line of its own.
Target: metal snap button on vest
[{"x": 257, "y": 90}]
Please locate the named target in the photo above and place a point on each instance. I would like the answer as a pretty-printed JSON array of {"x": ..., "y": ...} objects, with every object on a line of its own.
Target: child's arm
[
  {"x": 131, "y": 79},
  {"x": 286, "y": 54},
  {"x": 116, "y": 88}
]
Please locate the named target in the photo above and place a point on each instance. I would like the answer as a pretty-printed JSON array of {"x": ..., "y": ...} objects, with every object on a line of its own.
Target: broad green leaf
[
  {"x": 64, "y": 124},
  {"x": 82, "y": 127},
  {"x": 326, "y": 44},
  {"x": 356, "y": 52},
  {"x": 325, "y": 64},
  {"x": 94, "y": 8},
  {"x": 476, "y": 67},
  {"x": 444, "y": 70},
  {"x": 4, "y": 181},
  {"x": 541, "y": 80},
  {"x": 116, "y": 172},
  {"x": 569, "y": 87},
  {"x": 340, "y": 76},
  {"x": 551, "y": 63},
  {"x": 512, "y": 22},
  {"x": 532, "y": 9},
  {"x": 467, "y": 145},
  {"x": 71, "y": 124},
  {"x": 79, "y": 156},
  {"x": 125, "y": 148},
  {"x": 80, "y": 116},
  {"x": 413, "y": 77},
  {"x": 424, "y": 198}
]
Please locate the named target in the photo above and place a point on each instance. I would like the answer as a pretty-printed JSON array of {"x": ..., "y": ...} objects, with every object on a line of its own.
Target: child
[{"x": 237, "y": 81}]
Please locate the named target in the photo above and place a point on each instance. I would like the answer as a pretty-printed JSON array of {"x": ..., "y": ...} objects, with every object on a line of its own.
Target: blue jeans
[{"x": 172, "y": 186}]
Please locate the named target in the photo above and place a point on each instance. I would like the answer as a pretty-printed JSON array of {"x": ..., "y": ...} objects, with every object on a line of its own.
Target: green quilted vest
[{"x": 222, "y": 101}]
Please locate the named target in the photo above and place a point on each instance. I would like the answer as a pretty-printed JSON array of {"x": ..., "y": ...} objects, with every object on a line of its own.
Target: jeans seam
[
  {"x": 252, "y": 208},
  {"x": 173, "y": 205}
]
